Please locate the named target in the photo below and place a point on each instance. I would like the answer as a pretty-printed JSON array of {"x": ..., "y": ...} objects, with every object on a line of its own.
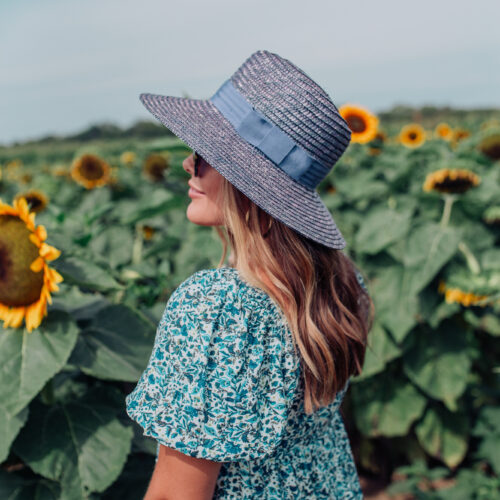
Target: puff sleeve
[{"x": 220, "y": 379}]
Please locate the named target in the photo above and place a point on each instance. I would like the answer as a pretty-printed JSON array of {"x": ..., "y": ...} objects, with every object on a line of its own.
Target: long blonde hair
[{"x": 327, "y": 310}]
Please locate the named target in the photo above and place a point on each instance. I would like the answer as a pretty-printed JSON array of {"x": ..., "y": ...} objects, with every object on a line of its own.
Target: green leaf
[
  {"x": 434, "y": 309},
  {"x": 9, "y": 428},
  {"x": 488, "y": 422},
  {"x": 189, "y": 259},
  {"x": 380, "y": 228},
  {"x": 81, "y": 444},
  {"x": 428, "y": 248},
  {"x": 70, "y": 298},
  {"x": 472, "y": 485},
  {"x": 116, "y": 346},
  {"x": 380, "y": 350},
  {"x": 28, "y": 360},
  {"x": 92, "y": 202},
  {"x": 489, "y": 323},
  {"x": 116, "y": 243},
  {"x": 444, "y": 434},
  {"x": 490, "y": 259},
  {"x": 166, "y": 244},
  {"x": 386, "y": 405},
  {"x": 14, "y": 486},
  {"x": 488, "y": 426},
  {"x": 396, "y": 305},
  {"x": 159, "y": 202},
  {"x": 489, "y": 450},
  {"x": 438, "y": 361},
  {"x": 78, "y": 271}
]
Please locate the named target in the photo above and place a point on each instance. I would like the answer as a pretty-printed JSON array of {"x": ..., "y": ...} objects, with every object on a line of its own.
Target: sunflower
[
  {"x": 412, "y": 135},
  {"x": 155, "y": 166},
  {"x": 363, "y": 123},
  {"x": 458, "y": 135},
  {"x": 446, "y": 180},
  {"x": 490, "y": 146},
  {"x": 443, "y": 131},
  {"x": 37, "y": 201},
  {"x": 455, "y": 294},
  {"x": 128, "y": 157},
  {"x": 380, "y": 136},
  {"x": 90, "y": 171},
  {"x": 25, "y": 278}
]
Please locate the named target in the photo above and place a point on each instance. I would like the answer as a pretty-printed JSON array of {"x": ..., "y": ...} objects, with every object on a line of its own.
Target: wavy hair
[{"x": 329, "y": 313}]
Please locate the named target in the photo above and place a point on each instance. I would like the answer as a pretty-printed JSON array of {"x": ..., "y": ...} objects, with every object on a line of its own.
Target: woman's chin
[{"x": 199, "y": 215}]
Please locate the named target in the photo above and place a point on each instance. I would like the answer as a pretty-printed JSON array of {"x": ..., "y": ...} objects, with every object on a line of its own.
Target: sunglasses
[{"x": 197, "y": 161}]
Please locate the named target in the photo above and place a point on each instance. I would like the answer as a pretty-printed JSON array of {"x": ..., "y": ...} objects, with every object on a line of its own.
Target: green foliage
[
  {"x": 430, "y": 385},
  {"x": 437, "y": 484}
]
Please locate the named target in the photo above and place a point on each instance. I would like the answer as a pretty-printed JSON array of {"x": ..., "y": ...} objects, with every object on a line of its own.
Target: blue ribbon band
[{"x": 267, "y": 137}]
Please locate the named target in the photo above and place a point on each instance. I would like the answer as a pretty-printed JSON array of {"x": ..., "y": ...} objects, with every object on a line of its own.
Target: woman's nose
[{"x": 188, "y": 164}]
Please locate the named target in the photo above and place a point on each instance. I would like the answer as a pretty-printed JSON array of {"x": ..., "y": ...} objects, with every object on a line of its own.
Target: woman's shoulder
[{"x": 223, "y": 287}]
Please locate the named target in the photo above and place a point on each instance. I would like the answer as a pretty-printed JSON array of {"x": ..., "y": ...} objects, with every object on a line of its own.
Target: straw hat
[{"x": 273, "y": 133}]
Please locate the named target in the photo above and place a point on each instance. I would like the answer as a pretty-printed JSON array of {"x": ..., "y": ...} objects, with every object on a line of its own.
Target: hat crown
[{"x": 290, "y": 99}]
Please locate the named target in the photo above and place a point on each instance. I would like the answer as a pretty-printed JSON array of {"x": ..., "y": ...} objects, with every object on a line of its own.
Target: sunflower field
[{"x": 94, "y": 238}]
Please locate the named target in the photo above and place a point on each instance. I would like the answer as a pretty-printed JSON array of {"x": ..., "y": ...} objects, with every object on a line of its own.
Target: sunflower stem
[
  {"x": 448, "y": 203},
  {"x": 472, "y": 262},
  {"x": 47, "y": 393},
  {"x": 137, "y": 246}
]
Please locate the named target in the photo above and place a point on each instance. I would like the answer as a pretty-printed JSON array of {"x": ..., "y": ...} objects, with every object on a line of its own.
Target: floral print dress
[{"x": 223, "y": 383}]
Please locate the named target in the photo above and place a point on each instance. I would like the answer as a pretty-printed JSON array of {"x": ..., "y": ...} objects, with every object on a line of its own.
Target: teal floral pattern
[{"x": 223, "y": 383}]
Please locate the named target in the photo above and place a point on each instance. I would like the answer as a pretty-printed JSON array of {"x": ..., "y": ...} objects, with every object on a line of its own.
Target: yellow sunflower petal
[
  {"x": 35, "y": 313},
  {"x": 7, "y": 209},
  {"x": 48, "y": 252},
  {"x": 49, "y": 281},
  {"x": 55, "y": 276},
  {"x": 52, "y": 277},
  {"x": 35, "y": 240},
  {"x": 4, "y": 310},
  {"x": 30, "y": 222},
  {"x": 41, "y": 232},
  {"x": 15, "y": 317},
  {"x": 22, "y": 207},
  {"x": 37, "y": 265}
]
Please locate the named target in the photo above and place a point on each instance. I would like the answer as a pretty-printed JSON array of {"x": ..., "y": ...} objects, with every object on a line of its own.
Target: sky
[{"x": 68, "y": 64}]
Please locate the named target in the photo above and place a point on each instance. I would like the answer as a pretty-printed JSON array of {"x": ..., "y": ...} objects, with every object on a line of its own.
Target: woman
[{"x": 251, "y": 362}]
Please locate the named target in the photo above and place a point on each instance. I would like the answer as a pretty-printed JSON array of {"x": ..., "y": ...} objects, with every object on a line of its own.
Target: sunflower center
[
  {"x": 491, "y": 146},
  {"x": 412, "y": 136},
  {"x": 19, "y": 285},
  {"x": 34, "y": 202},
  {"x": 91, "y": 169},
  {"x": 356, "y": 123}
]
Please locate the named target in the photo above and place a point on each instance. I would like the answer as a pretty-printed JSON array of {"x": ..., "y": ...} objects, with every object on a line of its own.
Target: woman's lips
[{"x": 194, "y": 193}]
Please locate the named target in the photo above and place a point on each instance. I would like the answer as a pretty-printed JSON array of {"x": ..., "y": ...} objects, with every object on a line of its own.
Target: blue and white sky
[{"x": 67, "y": 64}]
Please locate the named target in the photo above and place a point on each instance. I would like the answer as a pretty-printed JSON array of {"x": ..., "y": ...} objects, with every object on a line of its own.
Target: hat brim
[{"x": 202, "y": 127}]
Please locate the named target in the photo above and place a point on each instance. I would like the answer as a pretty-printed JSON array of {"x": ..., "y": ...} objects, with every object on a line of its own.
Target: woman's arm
[{"x": 181, "y": 477}]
